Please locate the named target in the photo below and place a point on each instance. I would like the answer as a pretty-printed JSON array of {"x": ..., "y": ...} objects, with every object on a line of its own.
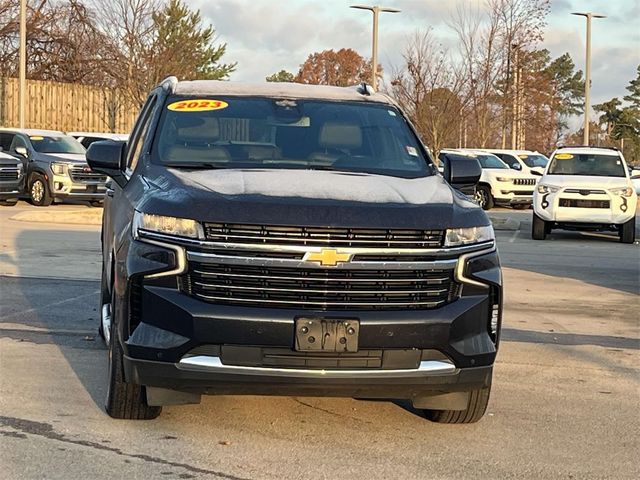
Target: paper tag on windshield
[
  {"x": 412, "y": 151},
  {"x": 564, "y": 156}
]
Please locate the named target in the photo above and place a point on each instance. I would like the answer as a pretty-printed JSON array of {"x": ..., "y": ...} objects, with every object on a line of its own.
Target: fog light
[{"x": 57, "y": 185}]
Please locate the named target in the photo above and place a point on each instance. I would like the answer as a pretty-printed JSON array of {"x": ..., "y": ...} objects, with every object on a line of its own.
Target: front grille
[
  {"x": 314, "y": 288},
  {"x": 573, "y": 203},
  {"x": 585, "y": 191},
  {"x": 79, "y": 175},
  {"x": 8, "y": 175},
  {"x": 323, "y": 236},
  {"x": 524, "y": 181}
]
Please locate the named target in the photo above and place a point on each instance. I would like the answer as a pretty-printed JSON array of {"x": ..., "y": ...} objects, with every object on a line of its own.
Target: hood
[
  {"x": 65, "y": 157},
  {"x": 308, "y": 198},
  {"x": 540, "y": 170},
  {"x": 8, "y": 160},
  {"x": 584, "y": 182}
]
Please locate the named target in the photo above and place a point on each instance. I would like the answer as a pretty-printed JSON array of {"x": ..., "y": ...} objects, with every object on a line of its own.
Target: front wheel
[
  {"x": 476, "y": 406},
  {"x": 9, "y": 202},
  {"x": 39, "y": 191},
  {"x": 627, "y": 231},
  {"x": 539, "y": 229},
  {"x": 125, "y": 400},
  {"x": 484, "y": 197}
]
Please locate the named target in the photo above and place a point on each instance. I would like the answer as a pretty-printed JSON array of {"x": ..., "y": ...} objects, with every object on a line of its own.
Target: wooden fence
[{"x": 65, "y": 106}]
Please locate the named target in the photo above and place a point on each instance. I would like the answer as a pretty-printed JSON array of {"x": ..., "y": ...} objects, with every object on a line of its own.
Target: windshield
[
  {"x": 534, "y": 160},
  {"x": 56, "y": 144},
  {"x": 241, "y": 132},
  {"x": 586, "y": 164},
  {"x": 491, "y": 161}
]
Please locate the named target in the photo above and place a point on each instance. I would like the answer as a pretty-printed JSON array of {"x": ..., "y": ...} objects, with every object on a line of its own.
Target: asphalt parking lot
[{"x": 565, "y": 399}]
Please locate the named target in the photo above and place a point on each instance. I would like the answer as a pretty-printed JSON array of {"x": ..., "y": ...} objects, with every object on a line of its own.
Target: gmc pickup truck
[{"x": 284, "y": 239}]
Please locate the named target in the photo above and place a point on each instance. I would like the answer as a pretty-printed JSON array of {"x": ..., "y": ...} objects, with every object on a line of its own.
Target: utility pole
[
  {"x": 374, "y": 47},
  {"x": 23, "y": 63},
  {"x": 587, "y": 80},
  {"x": 514, "y": 108}
]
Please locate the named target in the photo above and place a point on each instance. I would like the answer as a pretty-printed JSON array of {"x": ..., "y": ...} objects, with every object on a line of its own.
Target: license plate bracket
[{"x": 320, "y": 334}]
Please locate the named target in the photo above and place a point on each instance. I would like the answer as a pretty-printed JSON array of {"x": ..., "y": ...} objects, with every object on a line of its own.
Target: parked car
[
  {"x": 585, "y": 188},
  {"x": 87, "y": 138},
  {"x": 292, "y": 240},
  {"x": 499, "y": 185},
  {"x": 526, "y": 161},
  {"x": 634, "y": 172},
  {"x": 11, "y": 179},
  {"x": 54, "y": 165}
]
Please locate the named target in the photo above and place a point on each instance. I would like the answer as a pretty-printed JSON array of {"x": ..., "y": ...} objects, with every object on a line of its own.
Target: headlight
[
  {"x": 504, "y": 179},
  {"x": 622, "y": 191},
  {"x": 547, "y": 188},
  {"x": 59, "y": 168},
  {"x": 465, "y": 236},
  {"x": 182, "y": 227}
]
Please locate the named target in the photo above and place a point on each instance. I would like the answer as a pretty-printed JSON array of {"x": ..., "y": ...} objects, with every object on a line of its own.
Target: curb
[
  {"x": 501, "y": 223},
  {"x": 70, "y": 217}
]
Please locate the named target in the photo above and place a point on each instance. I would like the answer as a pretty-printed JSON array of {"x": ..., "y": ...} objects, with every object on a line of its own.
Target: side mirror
[
  {"x": 22, "y": 151},
  {"x": 516, "y": 166},
  {"x": 108, "y": 157},
  {"x": 462, "y": 174}
]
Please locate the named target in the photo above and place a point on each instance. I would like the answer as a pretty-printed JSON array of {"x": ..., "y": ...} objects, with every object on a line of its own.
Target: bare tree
[{"x": 428, "y": 86}]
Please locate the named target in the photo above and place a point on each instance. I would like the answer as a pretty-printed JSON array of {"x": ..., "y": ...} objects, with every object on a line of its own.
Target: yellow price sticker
[
  {"x": 523, "y": 156},
  {"x": 37, "y": 137},
  {"x": 564, "y": 156},
  {"x": 197, "y": 105}
]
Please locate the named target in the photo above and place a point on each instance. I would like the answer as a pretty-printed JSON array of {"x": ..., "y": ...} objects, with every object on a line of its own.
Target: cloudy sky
[{"x": 265, "y": 36}]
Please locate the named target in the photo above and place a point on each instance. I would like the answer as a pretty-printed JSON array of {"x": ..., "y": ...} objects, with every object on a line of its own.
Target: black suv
[
  {"x": 287, "y": 239},
  {"x": 11, "y": 179}
]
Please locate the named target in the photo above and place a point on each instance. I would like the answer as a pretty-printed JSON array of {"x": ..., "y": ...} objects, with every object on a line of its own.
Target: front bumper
[
  {"x": 620, "y": 209},
  {"x": 64, "y": 187},
  {"x": 177, "y": 342}
]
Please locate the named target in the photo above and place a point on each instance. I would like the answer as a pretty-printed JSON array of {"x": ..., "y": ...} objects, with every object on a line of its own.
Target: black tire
[
  {"x": 97, "y": 203},
  {"x": 477, "y": 405},
  {"x": 484, "y": 197},
  {"x": 9, "y": 202},
  {"x": 628, "y": 231},
  {"x": 125, "y": 400},
  {"x": 521, "y": 206},
  {"x": 539, "y": 228},
  {"x": 39, "y": 191},
  {"x": 105, "y": 297}
]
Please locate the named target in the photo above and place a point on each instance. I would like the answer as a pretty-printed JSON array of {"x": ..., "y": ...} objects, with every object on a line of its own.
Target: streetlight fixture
[
  {"x": 374, "y": 55},
  {"x": 587, "y": 80}
]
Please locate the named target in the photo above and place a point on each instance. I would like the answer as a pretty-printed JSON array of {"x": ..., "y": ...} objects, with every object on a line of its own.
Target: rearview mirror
[
  {"x": 107, "y": 157},
  {"x": 22, "y": 151},
  {"x": 462, "y": 174}
]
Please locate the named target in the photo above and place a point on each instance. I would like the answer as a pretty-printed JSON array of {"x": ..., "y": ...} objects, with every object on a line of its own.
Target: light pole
[
  {"x": 374, "y": 54},
  {"x": 587, "y": 80},
  {"x": 23, "y": 61}
]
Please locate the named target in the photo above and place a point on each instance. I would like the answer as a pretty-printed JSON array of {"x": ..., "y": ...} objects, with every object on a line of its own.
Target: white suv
[
  {"x": 498, "y": 185},
  {"x": 526, "y": 161},
  {"x": 585, "y": 188}
]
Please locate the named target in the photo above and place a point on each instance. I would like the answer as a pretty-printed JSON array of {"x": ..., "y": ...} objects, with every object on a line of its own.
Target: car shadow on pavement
[{"x": 39, "y": 308}]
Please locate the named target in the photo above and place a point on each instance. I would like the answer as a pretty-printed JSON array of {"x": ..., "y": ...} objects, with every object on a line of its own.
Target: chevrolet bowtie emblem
[{"x": 327, "y": 257}]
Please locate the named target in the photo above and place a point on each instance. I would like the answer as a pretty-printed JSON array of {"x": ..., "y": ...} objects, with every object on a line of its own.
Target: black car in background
[
  {"x": 55, "y": 166},
  {"x": 284, "y": 239},
  {"x": 11, "y": 179}
]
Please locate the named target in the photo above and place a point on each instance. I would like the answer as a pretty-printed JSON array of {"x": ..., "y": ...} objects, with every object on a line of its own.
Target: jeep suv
[
  {"x": 11, "y": 179},
  {"x": 498, "y": 185},
  {"x": 585, "y": 188},
  {"x": 54, "y": 165},
  {"x": 283, "y": 239}
]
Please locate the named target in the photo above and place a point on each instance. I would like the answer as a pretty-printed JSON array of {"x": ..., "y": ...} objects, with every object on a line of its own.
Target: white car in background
[
  {"x": 498, "y": 185},
  {"x": 87, "y": 138},
  {"x": 525, "y": 161},
  {"x": 585, "y": 188}
]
